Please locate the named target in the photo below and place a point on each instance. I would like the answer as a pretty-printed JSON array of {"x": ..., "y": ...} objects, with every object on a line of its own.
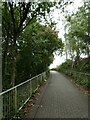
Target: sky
[{"x": 60, "y": 22}]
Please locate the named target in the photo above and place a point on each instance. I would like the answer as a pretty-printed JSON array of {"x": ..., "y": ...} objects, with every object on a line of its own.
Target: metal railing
[
  {"x": 80, "y": 77},
  {"x": 15, "y": 98}
]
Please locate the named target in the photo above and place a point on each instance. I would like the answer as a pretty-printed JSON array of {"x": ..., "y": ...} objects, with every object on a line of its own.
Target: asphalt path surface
[{"x": 60, "y": 99}]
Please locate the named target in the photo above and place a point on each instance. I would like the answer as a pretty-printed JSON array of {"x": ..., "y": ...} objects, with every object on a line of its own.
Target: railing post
[
  {"x": 9, "y": 98},
  {"x": 15, "y": 101},
  {"x": 30, "y": 88},
  {"x": 1, "y": 107}
]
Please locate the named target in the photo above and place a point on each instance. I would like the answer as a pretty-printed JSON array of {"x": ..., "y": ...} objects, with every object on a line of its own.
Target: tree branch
[{"x": 13, "y": 19}]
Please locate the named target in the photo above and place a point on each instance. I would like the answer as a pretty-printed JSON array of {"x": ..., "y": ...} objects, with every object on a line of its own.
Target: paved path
[{"x": 60, "y": 99}]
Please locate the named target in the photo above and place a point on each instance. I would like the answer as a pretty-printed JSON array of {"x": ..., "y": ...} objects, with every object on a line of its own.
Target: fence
[
  {"x": 80, "y": 77},
  {"x": 14, "y": 99}
]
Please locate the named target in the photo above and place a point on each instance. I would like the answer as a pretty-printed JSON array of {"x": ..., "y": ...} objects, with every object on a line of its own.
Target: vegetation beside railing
[
  {"x": 16, "y": 97},
  {"x": 79, "y": 77},
  {"x": 80, "y": 73}
]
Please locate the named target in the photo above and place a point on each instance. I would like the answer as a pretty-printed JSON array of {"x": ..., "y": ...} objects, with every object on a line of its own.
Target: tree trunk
[
  {"x": 13, "y": 72},
  {"x": 4, "y": 65},
  {"x": 14, "y": 60}
]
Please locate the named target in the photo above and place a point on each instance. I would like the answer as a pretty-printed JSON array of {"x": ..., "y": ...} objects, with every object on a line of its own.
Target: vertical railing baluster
[
  {"x": 37, "y": 82},
  {"x": 9, "y": 103},
  {"x": 1, "y": 107},
  {"x": 30, "y": 88},
  {"x": 13, "y": 96},
  {"x": 15, "y": 100}
]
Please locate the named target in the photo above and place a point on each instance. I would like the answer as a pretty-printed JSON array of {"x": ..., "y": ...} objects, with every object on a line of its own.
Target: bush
[{"x": 64, "y": 66}]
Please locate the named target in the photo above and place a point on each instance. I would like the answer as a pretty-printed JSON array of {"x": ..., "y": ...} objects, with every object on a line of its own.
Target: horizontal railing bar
[
  {"x": 83, "y": 73},
  {"x": 20, "y": 84},
  {"x": 24, "y": 103},
  {"x": 27, "y": 100},
  {"x": 16, "y": 97},
  {"x": 80, "y": 72}
]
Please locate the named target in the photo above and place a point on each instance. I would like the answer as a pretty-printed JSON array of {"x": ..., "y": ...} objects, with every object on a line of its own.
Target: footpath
[{"x": 60, "y": 99}]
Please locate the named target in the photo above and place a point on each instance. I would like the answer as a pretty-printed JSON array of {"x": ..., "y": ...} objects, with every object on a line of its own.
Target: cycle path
[{"x": 60, "y": 99}]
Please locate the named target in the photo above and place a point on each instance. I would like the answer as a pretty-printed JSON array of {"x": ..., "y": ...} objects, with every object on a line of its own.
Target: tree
[
  {"x": 15, "y": 18},
  {"x": 36, "y": 46},
  {"x": 77, "y": 37}
]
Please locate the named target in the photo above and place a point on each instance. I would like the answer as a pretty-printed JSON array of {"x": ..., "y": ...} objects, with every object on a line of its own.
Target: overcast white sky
[{"x": 58, "y": 59}]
